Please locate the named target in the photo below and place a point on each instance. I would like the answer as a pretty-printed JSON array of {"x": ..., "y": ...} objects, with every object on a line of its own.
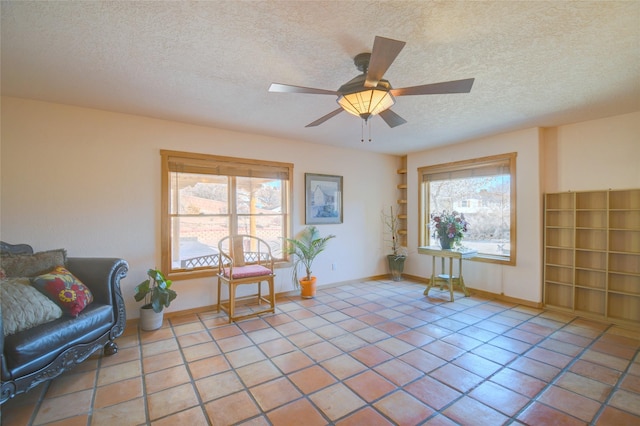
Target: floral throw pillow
[{"x": 65, "y": 289}]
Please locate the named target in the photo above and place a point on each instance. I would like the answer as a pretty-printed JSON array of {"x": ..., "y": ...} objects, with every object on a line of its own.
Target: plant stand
[{"x": 449, "y": 278}]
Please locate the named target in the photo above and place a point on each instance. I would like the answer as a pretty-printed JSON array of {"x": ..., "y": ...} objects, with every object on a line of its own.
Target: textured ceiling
[{"x": 535, "y": 63}]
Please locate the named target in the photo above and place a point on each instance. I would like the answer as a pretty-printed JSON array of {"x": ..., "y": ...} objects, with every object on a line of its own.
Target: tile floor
[{"x": 372, "y": 353}]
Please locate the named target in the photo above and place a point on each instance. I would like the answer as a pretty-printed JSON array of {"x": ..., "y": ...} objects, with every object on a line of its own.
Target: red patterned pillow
[{"x": 65, "y": 289}]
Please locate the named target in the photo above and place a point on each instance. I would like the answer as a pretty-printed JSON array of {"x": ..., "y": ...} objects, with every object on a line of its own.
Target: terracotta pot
[{"x": 308, "y": 288}]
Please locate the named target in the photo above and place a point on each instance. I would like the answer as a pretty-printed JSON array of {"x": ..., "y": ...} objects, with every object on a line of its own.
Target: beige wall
[
  {"x": 89, "y": 181},
  {"x": 591, "y": 155},
  {"x": 523, "y": 280}
]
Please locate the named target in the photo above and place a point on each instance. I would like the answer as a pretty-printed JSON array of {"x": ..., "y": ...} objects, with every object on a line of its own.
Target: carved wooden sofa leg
[{"x": 110, "y": 348}]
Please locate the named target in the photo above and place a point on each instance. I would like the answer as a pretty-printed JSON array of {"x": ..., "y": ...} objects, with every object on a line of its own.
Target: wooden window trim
[
  {"x": 200, "y": 160},
  {"x": 423, "y": 203}
]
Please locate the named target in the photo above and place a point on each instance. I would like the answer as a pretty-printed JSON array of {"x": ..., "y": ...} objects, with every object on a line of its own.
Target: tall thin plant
[
  {"x": 304, "y": 249},
  {"x": 392, "y": 227}
]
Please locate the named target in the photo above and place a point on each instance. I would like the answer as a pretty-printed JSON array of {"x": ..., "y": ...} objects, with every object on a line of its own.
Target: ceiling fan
[{"x": 369, "y": 94}]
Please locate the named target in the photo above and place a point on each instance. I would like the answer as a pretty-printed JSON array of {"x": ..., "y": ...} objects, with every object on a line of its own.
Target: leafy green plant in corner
[
  {"x": 155, "y": 291},
  {"x": 304, "y": 249}
]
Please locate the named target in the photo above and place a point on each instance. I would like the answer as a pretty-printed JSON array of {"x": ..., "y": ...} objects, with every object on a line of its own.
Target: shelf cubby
[
  {"x": 561, "y": 237},
  {"x": 627, "y": 241},
  {"x": 559, "y": 295},
  {"x": 591, "y": 279},
  {"x": 625, "y": 263},
  {"x": 559, "y": 256},
  {"x": 591, "y": 239},
  {"x": 592, "y": 254},
  {"x": 591, "y": 219},
  {"x": 624, "y": 219},
  {"x": 590, "y": 301},
  {"x": 591, "y": 259},
  {"x": 624, "y": 283},
  {"x": 560, "y": 201},
  {"x": 559, "y": 218},
  {"x": 591, "y": 200},
  {"x": 625, "y": 200},
  {"x": 624, "y": 307},
  {"x": 559, "y": 274}
]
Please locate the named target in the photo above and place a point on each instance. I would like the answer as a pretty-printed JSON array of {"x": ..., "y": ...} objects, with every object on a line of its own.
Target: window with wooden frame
[
  {"x": 207, "y": 197},
  {"x": 484, "y": 190}
]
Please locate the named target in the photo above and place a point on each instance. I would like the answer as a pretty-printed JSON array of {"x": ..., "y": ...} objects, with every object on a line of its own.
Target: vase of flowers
[{"x": 449, "y": 228}]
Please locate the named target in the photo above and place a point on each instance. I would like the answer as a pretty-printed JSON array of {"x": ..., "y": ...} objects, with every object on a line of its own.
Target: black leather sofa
[{"x": 41, "y": 353}]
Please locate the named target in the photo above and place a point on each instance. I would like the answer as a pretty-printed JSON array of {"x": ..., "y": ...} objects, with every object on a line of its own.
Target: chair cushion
[{"x": 247, "y": 271}]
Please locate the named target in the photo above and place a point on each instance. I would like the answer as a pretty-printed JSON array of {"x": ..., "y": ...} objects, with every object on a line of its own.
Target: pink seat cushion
[{"x": 247, "y": 271}]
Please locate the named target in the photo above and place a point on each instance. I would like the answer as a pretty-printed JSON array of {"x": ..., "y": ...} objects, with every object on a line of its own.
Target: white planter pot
[{"x": 149, "y": 319}]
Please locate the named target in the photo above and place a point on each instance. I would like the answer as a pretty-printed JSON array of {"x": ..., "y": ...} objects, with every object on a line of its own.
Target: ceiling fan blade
[
  {"x": 325, "y": 118},
  {"x": 287, "y": 88},
  {"x": 385, "y": 51},
  {"x": 391, "y": 118},
  {"x": 457, "y": 86}
]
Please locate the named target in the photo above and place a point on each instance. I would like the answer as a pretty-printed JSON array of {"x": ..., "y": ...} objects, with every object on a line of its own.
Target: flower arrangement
[{"x": 449, "y": 228}]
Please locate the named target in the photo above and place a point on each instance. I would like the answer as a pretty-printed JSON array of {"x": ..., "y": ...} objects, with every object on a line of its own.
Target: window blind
[
  {"x": 226, "y": 166},
  {"x": 490, "y": 166}
]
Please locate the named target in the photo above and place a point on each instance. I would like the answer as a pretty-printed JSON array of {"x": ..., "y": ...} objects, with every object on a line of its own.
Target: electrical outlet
[{"x": 334, "y": 267}]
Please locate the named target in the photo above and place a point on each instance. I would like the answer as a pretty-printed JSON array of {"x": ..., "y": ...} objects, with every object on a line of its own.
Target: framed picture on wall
[{"x": 323, "y": 201}]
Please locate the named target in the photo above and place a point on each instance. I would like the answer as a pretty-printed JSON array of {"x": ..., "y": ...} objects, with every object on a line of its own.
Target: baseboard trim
[{"x": 503, "y": 298}]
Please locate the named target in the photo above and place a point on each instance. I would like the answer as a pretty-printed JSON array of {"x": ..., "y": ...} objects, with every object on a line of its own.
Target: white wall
[
  {"x": 523, "y": 280},
  {"x": 89, "y": 181}
]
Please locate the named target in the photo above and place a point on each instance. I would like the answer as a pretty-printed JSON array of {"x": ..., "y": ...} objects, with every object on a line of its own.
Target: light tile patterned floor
[{"x": 372, "y": 353}]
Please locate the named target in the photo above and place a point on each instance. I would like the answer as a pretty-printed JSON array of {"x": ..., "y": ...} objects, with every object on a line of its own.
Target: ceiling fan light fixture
[
  {"x": 366, "y": 102},
  {"x": 368, "y": 93}
]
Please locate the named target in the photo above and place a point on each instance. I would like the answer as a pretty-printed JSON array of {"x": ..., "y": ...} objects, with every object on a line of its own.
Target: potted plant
[
  {"x": 304, "y": 249},
  {"x": 449, "y": 228},
  {"x": 157, "y": 295},
  {"x": 398, "y": 253}
]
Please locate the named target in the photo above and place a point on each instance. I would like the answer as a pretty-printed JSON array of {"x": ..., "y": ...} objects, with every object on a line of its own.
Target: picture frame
[{"x": 323, "y": 199}]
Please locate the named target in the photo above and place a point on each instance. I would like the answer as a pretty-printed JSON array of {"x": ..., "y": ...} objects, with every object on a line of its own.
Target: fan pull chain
[{"x": 362, "y": 129}]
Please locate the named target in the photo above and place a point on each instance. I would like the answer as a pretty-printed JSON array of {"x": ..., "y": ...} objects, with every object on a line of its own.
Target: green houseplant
[
  {"x": 157, "y": 295},
  {"x": 304, "y": 249},
  {"x": 392, "y": 237}
]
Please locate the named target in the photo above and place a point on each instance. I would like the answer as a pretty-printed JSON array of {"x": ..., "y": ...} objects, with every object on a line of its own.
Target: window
[
  {"x": 207, "y": 197},
  {"x": 483, "y": 190}
]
